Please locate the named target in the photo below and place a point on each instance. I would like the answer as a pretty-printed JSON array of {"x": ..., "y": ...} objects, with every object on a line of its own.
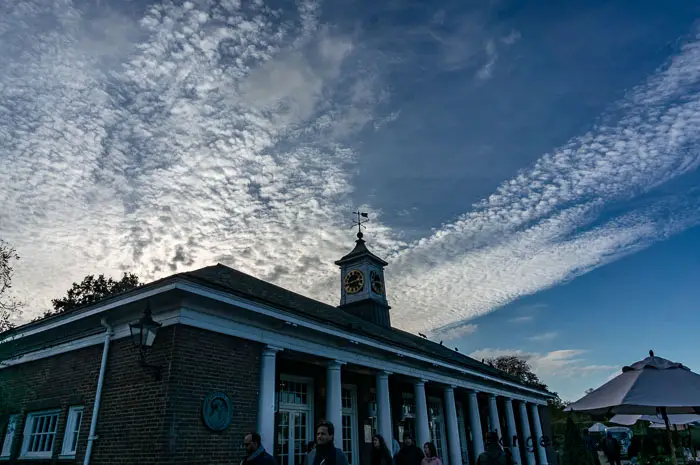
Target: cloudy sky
[{"x": 530, "y": 166}]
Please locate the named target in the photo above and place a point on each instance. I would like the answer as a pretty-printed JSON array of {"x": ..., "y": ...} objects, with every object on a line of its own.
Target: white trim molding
[
  {"x": 355, "y": 338},
  {"x": 120, "y": 331}
]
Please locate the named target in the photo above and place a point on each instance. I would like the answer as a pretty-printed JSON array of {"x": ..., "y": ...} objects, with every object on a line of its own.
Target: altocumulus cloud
[
  {"x": 177, "y": 136},
  {"x": 539, "y": 228},
  {"x": 180, "y": 137}
]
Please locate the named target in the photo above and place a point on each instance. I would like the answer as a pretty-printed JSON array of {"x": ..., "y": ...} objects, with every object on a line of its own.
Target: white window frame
[
  {"x": 9, "y": 437},
  {"x": 75, "y": 420},
  {"x": 307, "y": 408},
  {"x": 355, "y": 440},
  {"x": 439, "y": 424},
  {"x": 28, "y": 431}
]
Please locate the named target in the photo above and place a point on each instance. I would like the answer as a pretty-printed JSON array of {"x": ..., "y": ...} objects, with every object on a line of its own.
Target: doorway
[{"x": 294, "y": 419}]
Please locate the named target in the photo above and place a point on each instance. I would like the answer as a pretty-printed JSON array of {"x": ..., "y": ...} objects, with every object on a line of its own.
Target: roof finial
[
  {"x": 651, "y": 353},
  {"x": 359, "y": 222}
]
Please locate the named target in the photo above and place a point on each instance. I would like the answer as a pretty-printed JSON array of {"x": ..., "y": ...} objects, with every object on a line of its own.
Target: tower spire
[{"x": 362, "y": 218}]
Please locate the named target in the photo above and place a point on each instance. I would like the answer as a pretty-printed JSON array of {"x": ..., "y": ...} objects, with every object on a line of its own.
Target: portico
[{"x": 362, "y": 400}]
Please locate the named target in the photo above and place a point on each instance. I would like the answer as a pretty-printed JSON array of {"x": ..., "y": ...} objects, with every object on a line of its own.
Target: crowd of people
[{"x": 322, "y": 451}]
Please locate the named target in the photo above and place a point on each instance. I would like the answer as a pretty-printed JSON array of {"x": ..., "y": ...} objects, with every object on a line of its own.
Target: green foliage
[
  {"x": 517, "y": 367},
  {"x": 574, "y": 451},
  {"x": 520, "y": 369},
  {"x": 8, "y": 305},
  {"x": 91, "y": 290}
]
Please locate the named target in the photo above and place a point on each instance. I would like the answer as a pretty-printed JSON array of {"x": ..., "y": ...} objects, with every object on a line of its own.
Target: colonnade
[{"x": 266, "y": 414}]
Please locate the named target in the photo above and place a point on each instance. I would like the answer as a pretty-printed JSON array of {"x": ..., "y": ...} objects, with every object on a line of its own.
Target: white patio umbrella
[
  {"x": 678, "y": 419},
  {"x": 648, "y": 387},
  {"x": 597, "y": 428}
]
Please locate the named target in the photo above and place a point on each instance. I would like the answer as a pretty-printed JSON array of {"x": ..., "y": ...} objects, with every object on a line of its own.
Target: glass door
[
  {"x": 294, "y": 417},
  {"x": 461, "y": 425},
  {"x": 350, "y": 428},
  {"x": 437, "y": 429},
  {"x": 292, "y": 435}
]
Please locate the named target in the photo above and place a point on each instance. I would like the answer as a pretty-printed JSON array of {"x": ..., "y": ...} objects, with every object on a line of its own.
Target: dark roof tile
[{"x": 237, "y": 282}]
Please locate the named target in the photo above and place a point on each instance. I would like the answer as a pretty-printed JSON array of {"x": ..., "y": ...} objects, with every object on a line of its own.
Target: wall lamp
[{"x": 143, "y": 334}]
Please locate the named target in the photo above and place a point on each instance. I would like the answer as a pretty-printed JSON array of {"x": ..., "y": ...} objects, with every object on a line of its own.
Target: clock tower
[{"x": 362, "y": 291}]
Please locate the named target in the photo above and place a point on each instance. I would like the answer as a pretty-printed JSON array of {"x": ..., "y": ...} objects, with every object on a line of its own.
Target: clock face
[
  {"x": 354, "y": 282},
  {"x": 376, "y": 281}
]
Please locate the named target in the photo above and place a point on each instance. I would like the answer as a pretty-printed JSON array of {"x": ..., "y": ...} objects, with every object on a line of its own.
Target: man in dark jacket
[
  {"x": 409, "y": 454},
  {"x": 494, "y": 454},
  {"x": 325, "y": 452},
  {"x": 255, "y": 453},
  {"x": 612, "y": 449}
]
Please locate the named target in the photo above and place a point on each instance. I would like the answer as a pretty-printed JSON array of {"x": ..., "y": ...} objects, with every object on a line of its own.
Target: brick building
[{"x": 234, "y": 354}]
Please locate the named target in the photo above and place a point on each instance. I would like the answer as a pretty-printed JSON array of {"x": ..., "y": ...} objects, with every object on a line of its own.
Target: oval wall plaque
[{"x": 217, "y": 411}]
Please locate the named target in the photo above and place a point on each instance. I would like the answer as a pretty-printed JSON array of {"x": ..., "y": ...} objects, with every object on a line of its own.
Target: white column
[
  {"x": 453, "y": 444},
  {"x": 541, "y": 451},
  {"x": 422, "y": 425},
  {"x": 384, "y": 407},
  {"x": 511, "y": 440},
  {"x": 493, "y": 415},
  {"x": 526, "y": 436},
  {"x": 334, "y": 403},
  {"x": 475, "y": 424},
  {"x": 266, "y": 398}
]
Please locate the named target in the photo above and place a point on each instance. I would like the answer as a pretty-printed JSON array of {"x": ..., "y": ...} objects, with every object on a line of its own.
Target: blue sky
[{"x": 531, "y": 167}]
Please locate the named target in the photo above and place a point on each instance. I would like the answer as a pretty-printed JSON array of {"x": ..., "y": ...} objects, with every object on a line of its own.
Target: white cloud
[
  {"x": 456, "y": 331},
  {"x": 486, "y": 71},
  {"x": 535, "y": 230},
  {"x": 209, "y": 137},
  {"x": 548, "y": 365},
  {"x": 521, "y": 319},
  {"x": 544, "y": 336},
  {"x": 511, "y": 38}
]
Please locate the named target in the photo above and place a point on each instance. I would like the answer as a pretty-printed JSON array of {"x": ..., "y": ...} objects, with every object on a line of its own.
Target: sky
[{"x": 530, "y": 167}]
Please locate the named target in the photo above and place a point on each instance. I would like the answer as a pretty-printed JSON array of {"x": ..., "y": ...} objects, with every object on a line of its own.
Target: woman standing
[
  {"x": 431, "y": 457},
  {"x": 380, "y": 451}
]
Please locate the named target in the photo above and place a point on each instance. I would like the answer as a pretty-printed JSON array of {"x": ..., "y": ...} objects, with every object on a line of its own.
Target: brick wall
[
  {"x": 204, "y": 362},
  {"x": 53, "y": 383},
  {"x": 142, "y": 420}
]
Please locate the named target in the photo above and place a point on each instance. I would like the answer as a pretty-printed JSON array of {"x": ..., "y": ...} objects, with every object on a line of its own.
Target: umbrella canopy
[
  {"x": 643, "y": 388},
  {"x": 597, "y": 428},
  {"x": 655, "y": 419}
]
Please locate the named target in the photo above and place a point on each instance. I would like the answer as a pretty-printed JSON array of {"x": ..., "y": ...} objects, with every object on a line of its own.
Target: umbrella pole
[{"x": 670, "y": 438}]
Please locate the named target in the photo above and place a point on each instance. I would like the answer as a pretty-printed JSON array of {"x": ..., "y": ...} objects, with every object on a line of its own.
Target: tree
[
  {"x": 520, "y": 369},
  {"x": 574, "y": 451},
  {"x": 588, "y": 391},
  {"x": 517, "y": 367},
  {"x": 8, "y": 304},
  {"x": 92, "y": 289}
]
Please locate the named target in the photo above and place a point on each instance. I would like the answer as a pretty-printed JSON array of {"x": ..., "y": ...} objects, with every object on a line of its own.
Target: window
[
  {"x": 295, "y": 419},
  {"x": 70, "y": 439},
  {"x": 9, "y": 435},
  {"x": 349, "y": 417},
  {"x": 39, "y": 434}
]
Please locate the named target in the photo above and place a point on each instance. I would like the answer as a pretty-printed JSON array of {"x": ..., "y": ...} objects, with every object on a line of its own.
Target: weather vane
[{"x": 362, "y": 218}]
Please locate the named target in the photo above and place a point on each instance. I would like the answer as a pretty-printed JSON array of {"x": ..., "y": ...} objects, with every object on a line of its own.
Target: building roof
[
  {"x": 233, "y": 281},
  {"x": 359, "y": 251}
]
